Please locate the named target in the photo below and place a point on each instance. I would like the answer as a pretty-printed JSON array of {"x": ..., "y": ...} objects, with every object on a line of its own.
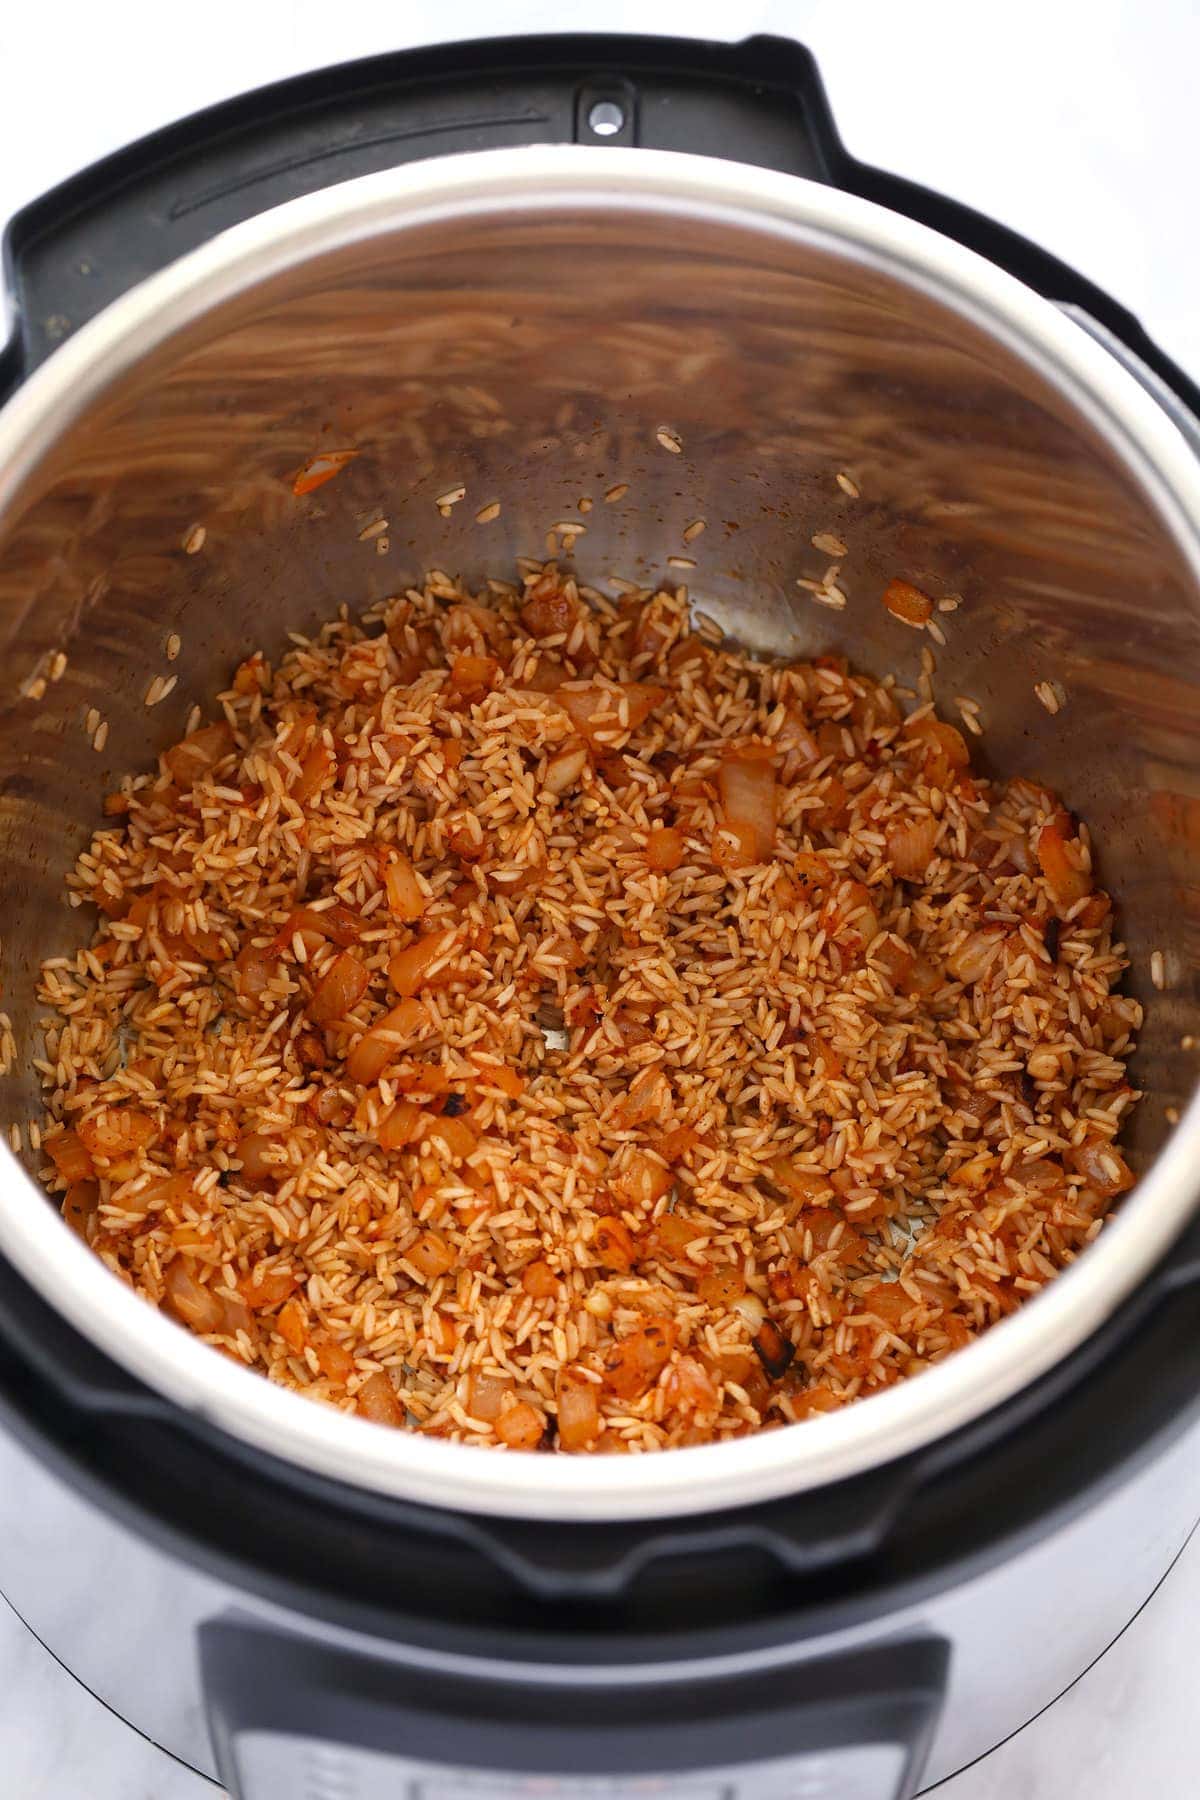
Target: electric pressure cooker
[{"x": 512, "y": 265}]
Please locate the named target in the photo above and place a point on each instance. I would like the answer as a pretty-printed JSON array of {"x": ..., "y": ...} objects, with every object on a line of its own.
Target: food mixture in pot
[{"x": 519, "y": 1018}]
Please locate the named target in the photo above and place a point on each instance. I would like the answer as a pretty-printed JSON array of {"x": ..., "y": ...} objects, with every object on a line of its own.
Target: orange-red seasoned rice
[{"x": 517, "y": 1018}]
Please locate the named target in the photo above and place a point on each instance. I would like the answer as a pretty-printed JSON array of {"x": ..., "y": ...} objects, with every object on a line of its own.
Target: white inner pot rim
[{"x": 874, "y": 1431}]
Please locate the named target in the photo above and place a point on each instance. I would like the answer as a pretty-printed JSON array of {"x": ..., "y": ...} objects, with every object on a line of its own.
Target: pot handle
[
  {"x": 83, "y": 244},
  {"x": 760, "y": 102},
  {"x": 292, "y": 1714}
]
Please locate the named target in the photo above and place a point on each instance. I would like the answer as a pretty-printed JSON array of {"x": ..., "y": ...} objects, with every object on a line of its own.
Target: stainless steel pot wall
[{"x": 525, "y": 323}]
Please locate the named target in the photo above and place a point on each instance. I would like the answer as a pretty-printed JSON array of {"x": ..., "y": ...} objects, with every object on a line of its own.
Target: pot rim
[{"x": 874, "y": 1431}]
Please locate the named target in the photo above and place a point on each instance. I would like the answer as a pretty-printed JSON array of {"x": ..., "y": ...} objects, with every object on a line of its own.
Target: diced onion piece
[
  {"x": 650, "y": 1091},
  {"x": 548, "y": 611},
  {"x": 70, "y": 1157},
  {"x": 443, "y": 1333},
  {"x": 333, "y": 1359},
  {"x": 320, "y": 469},
  {"x": 978, "y": 1103},
  {"x": 253, "y": 970},
  {"x": 486, "y": 1395},
  {"x": 630, "y": 1029},
  {"x": 1094, "y": 913},
  {"x": 378, "y": 1400},
  {"x": 264, "y": 1288},
  {"x": 673, "y": 1234},
  {"x": 615, "y": 1246},
  {"x": 906, "y": 602},
  {"x": 160, "y": 1195},
  {"x": 391, "y": 1034},
  {"x": 339, "y": 990},
  {"x": 546, "y": 678},
  {"x": 452, "y": 1135},
  {"x": 1059, "y": 860},
  {"x": 417, "y": 965},
  {"x": 734, "y": 846},
  {"x": 577, "y": 1403},
  {"x": 808, "y": 1187},
  {"x": 1019, "y": 852},
  {"x": 1102, "y": 1167},
  {"x": 811, "y": 874},
  {"x": 975, "y": 1173},
  {"x": 207, "y": 946},
  {"x": 1044, "y": 1175},
  {"x": 975, "y": 955},
  {"x": 814, "y": 1400},
  {"x": 190, "y": 1301},
  {"x": 510, "y": 1081},
  {"x": 254, "y": 1151},
  {"x": 471, "y": 674},
  {"x": 317, "y": 772},
  {"x": 340, "y": 924},
  {"x": 404, "y": 896},
  {"x": 197, "y": 753},
  {"x": 539, "y": 1281},
  {"x": 116, "y": 1132},
  {"x": 292, "y": 1326},
  {"x": 834, "y": 809},
  {"x": 236, "y": 1316},
  {"x": 253, "y": 675},
  {"x": 909, "y": 845},
  {"x": 923, "y": 977},
  {"x": 675, "y": 1144},
  {"x": 593, "y": 707},
  {"x": 887, "y": 1300},
  {"x": 329, "y": 1106},
  {"x": 565, "y": 767},
  {"x": 636, "y": 1363},
  {"x": 795, "y": 739},
  {"x": 722, "y": 1285},
  {"x": 822, "y": 1224},
  {"x": 335, "y": 924},
  {"x": 429, "y": 1079},
  {"x": 752, "y": 1312},
  {"x": 872, "y": 705},
  {"x": 690, "y": 1387},
  {"x": 849, "y": 914},
  {"x": 894, "y": 957},
  {"x": 79, "y": 1205},
  {"x": 521, "y": 1427},
  {"x": 431, "y": 1256},
  {"x": 666, "y": 848},
  {"x": 860, "y": 916},
  {"x": 643, "y": 1180},
  {"x": 399, "y": 1125},
  {"x": 748, "y": 799},
  {"x": 945, "y": 746}
]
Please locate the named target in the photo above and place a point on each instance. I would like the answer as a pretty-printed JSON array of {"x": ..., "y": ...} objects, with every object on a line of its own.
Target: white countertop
[{"x": 1084, "y": 139}]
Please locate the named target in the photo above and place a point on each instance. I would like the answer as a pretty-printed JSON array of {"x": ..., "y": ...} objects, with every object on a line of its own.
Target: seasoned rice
[{"x": 531, "y": 1022}]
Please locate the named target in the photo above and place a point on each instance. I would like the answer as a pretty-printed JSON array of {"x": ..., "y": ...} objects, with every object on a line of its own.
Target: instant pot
[{"x": 521, "y": 266}]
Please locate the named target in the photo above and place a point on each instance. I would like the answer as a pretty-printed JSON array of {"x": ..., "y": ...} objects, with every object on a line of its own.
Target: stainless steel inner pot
[{"x": 525, "y": 322}]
